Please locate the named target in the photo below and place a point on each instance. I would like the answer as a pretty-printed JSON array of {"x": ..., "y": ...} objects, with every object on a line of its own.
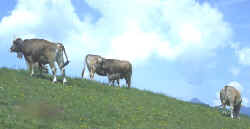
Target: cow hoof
[
  {"x": 54, "y": 80},
  {"x": 64, "y": 80}
]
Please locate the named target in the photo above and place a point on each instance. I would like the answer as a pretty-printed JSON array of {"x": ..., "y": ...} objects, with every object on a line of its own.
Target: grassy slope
[{"x": 32, "y": 103}]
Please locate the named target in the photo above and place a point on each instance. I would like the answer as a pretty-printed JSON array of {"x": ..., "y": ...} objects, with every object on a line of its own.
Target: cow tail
[
  {"x": 84, "y": 66},
  {"x": 64, "y": 51},
  {"x": 65, "y": 54}
]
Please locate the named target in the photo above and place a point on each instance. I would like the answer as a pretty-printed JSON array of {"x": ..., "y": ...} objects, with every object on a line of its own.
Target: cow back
[
  {"x": 40, "y": 50},
  {"x": 229, "y": 95},
  {"x": 117, "y": 66}
]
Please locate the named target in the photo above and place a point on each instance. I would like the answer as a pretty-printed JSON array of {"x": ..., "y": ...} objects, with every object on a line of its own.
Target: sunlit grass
[{"x": 34, "y": 102}]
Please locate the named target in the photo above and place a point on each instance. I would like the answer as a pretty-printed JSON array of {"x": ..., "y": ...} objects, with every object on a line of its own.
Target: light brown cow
[
  {"x": 230, "y": 96},
  {"x": 42, "y": 52},
  {"x": 92, "y": 65}
]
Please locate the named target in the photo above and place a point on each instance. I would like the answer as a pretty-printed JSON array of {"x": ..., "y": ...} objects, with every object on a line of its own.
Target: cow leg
[
  {"x": 63, "y": 74},
  {"x": 92, "y": 75},
  {"x": 128, "y": 81},
  {"x": 53, "y": 69},
  {"x": 232, "y": 111},
  {"x": 237, "y": 113},
  {"x": 109, "y": 79},
  {"x": 118, "y": 82},
  {"x": 113, "y": 83},
  {"x": 92, "y": 72},
  {"x": 31, "y": 68},
  {"x": 60, "y": 63},
  {"x": 28, "y": 60},
  {"x": 40, "y": 68},
  {"x": 224, "y": 109}
]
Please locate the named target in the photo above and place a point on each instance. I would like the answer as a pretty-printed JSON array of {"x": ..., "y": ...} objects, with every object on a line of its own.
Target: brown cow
[
  {"x": 42, "y": 52},
  {"x": 113, "y": 66},
  {"x": 230, "y": 96}
]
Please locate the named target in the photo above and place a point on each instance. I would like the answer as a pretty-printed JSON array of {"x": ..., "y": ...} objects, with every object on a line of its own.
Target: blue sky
[{"x": 183, "y": 49}]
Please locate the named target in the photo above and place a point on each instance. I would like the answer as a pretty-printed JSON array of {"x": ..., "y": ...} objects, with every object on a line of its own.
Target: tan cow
[
  {"x": 230, "y": 96},
  {"x": 92, "y": 65},
  {"x": 42, "y": 52}
]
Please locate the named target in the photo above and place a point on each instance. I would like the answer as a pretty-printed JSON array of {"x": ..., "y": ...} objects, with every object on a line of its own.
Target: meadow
[{"x": 36, "y": 103}]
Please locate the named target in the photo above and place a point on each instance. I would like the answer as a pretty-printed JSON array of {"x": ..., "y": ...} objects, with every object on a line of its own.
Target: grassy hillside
[{"x": 36, "y": 103}]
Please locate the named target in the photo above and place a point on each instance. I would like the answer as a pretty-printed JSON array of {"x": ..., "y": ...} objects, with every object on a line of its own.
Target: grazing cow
[
  {"x": 230, "y": 96},
  {"x": 113, "y": 66},
  {"x": 42, "y": 52},
  {"x": 114, "y": 77},
  {"x": 92, "y": 65}
]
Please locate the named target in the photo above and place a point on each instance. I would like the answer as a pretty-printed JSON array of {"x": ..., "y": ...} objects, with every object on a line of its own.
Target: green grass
[{"x": 35, "y": 103}]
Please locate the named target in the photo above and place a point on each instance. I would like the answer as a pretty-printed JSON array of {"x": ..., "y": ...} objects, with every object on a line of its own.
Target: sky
[{"x": 181, "y": 48}]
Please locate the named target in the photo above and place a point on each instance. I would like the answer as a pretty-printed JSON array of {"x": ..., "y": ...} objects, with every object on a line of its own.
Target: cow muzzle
[{"x": 11, "y": 50}]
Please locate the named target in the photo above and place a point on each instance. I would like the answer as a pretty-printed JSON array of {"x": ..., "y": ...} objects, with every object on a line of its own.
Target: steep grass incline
[{"x": 35, "y": 103}]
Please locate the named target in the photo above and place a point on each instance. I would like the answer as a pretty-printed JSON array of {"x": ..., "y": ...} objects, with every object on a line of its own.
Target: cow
[
  {"x": 92, "y": 65},
  {"x": 114, "y": 66},
  {"x": 229, "y": 96},
  {"x": 114, "y": 77},
  {"x": 43, "y": 52}
]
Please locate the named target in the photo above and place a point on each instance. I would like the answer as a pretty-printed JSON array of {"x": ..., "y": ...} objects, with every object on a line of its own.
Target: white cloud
[
  {"x": 244, "y": 56},
  {"x": 166, "y": 28},
  {"x": 131, "y": 30}
]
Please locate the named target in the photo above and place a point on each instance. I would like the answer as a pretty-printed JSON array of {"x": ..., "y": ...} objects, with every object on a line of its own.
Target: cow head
[
  {"x": 17, "y": 47},
  {"x": 100, "y": 60}
]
